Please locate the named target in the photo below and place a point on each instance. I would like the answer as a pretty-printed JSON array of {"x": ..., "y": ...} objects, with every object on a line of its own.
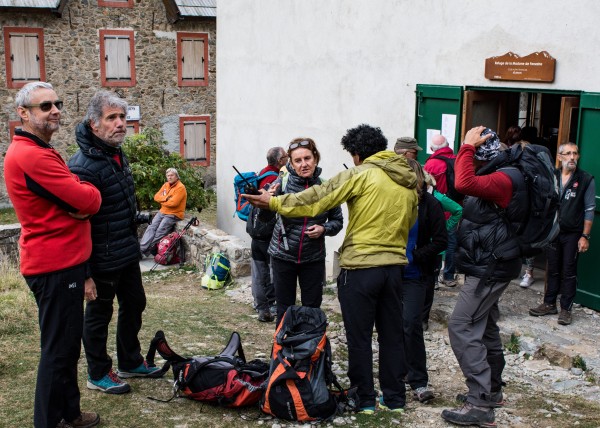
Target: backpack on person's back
[
  {"x": 541, "y": 223},
  {"x": 452, "y": 193},
  {"x": 240, "y": 182}
]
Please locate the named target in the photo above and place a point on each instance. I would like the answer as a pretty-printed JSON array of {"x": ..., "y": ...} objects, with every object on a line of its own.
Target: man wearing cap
[
  {"x": 483, "y": 234},
  {"x": 437, "y": 168},
  {"x": 407, "y": 146}
]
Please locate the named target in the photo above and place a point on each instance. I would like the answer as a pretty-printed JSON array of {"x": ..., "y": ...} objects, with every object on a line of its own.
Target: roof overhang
[
  {"x": 33, "y": 6},
  {"x": 178, "y": 10}
]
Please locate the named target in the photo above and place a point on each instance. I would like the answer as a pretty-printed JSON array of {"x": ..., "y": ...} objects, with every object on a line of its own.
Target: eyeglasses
[
  {"x": 302, "y": 143},
  {"x": 46, "y": 106},
  {"x": 567, "y": 154}
]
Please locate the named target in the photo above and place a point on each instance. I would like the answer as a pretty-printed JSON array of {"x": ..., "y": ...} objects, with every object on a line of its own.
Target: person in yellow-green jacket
[{"x": 382, "y": 203}]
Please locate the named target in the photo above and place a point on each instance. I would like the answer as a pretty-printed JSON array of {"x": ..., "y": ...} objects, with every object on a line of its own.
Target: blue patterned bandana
[{"x": 490, "y": 149}]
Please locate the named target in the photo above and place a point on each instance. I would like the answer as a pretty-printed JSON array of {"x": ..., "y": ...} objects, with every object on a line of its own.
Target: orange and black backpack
[
  {"x": 300, "y": 374},
  {"x": 227, "y": 379}
]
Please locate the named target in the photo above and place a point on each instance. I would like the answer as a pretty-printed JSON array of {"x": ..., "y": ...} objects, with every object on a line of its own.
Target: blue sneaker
[
  {"x": 143, "y": 370},
  {"x": 110, "y": 384},
  {"x": 383, "y": 406},
  {"x": 366, "y": 410}
]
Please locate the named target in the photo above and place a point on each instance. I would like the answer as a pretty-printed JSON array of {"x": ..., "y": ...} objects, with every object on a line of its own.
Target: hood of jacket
[{"x": 395, "y": 166}]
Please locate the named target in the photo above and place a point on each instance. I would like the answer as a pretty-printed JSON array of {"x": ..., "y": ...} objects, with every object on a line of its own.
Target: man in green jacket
[{"x": 382, "y": 203}]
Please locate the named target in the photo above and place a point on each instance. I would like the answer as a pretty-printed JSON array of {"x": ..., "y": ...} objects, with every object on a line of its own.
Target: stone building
[{"x": 160, "y": 55}]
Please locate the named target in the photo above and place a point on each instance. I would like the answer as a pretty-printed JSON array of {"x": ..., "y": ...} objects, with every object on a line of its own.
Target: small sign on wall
[
  {"x": 538, "y": 66},
  {"x": 133, "y": 113}
]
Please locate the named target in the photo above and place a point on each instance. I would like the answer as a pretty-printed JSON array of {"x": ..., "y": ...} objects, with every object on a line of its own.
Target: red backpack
[
  {"x": 227, "y": 379},
  {"x": 168, "y": 249}
]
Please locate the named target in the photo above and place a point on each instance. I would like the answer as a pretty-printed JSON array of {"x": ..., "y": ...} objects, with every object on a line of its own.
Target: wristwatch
[{"x": 586, "y": 236}]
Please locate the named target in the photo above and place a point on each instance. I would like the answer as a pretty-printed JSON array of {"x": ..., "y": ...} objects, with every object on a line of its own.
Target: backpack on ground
[
  {"x": 541, "y": 223},
  {"x": 168, "y": 249},
  {"x": 241, "y": 180},
  {"x": 300, "y": 373},
  {"x": 226, "y": 379},
  {"x": 452, "y": 193},
  {"x": 217, "y": 272}
]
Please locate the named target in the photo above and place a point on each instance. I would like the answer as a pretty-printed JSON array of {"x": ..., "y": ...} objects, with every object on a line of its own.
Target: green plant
[
  {"x": 8, "y": 216},
  {"x": 149, "y": 160},
  {"x": 579, "y": 363},
  {"x": 514, "y": 345}
]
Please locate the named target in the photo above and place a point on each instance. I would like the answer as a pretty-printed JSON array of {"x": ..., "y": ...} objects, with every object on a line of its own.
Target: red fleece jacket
[{"x": 43, "y": 192}]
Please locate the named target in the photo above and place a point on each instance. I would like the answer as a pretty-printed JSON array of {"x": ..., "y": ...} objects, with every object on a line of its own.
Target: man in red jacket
[{"x": 53, "y": 207}]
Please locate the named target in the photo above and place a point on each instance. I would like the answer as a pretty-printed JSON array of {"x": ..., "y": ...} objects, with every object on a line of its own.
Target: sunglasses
[
  {"x": 302, "y": 143},
  {"x": 46, "y": 106}
]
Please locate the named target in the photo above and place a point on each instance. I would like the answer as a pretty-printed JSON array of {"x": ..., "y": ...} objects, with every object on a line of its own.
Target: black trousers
[
  {"x": 562, "y": 256},
  {"x": 126, "y": 285},
  {"x": 59, "y": 297},
  {"x": 286, "y": 275},
  {"x": 413, "y": 298},
  {"x": 372, "y": 297}
]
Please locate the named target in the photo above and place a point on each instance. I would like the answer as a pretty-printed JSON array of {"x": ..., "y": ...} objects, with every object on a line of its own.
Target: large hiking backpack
[
  {"x": 300, "y": 374},
  {"x": 452, "y": 193},
  {"x": 168, "y": 249},
  {"x": 241, "y": 180},
  {"x": 227, "y": 379},
  {"x": 541, "y": 224},
  {"x": 217, "y": 271}
]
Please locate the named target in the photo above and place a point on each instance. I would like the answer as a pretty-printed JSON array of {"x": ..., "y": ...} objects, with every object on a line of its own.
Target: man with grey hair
[
  {"x": 172, "y": 198},
  {"x": 575, "y": 216},
  {"x": 263, "y": 290},
  {"x": 115, "y": 248},
  {"x": 437, "y": 166},
  {"x": 53, "y": 207}
]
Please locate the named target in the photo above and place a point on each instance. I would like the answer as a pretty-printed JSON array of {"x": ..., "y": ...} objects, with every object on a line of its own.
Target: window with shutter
[
  {"x": 117, "y": 58},
  {"x": 24, "y": 55},
  {"x": 192, "y": 59},
  {"x": 194, "y": 139}
]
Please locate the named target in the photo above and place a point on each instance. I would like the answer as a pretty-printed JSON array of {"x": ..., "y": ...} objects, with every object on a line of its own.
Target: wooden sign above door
[{"x": 538, "y": 67}]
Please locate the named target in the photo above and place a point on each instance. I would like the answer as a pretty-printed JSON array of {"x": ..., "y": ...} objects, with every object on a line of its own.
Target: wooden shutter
[
  {"x": 25, "y": 56},
  {"x": 194, "y": 140},
  {"x": 192, "y": 59},
  {"x": 117, "y": 58}
]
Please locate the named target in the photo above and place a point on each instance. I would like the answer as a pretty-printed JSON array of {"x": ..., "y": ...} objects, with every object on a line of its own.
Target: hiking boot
[
  {"x": 450, "y": 283},
  {"x": 143, "y": 370},
  {"x": 423, "y": 394},
  {"x": 110, "y": 383},
  {"x": 265, "y": 316},
  {"x": 495, "y": 397},
  {"x": 543, "y": 309},
  {"x": 527, "y": 280},
  {"x": 565, "y": 317},
  {"x": 383, "y": 406},
  {"x": 470, "y": 414},
  {"x": 85, "y": 420}
]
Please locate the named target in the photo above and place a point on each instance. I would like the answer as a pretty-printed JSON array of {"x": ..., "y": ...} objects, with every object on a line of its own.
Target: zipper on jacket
[{"x": 303, "y": 230}]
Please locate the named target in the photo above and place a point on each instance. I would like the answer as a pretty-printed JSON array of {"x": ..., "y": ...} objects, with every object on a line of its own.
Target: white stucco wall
[{"x": 316, "y": 68}]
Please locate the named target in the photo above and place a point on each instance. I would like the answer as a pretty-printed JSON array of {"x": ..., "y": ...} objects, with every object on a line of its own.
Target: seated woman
[
  {"x": 172, "y": 197},
  {"x": 297, "y": 247}
]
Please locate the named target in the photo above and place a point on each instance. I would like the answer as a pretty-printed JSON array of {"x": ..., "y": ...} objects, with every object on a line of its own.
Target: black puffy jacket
[
  {"x": 303, "y": 249},
  {"x": 114, "y": 236},
  {"x": 484, "y": 232}
]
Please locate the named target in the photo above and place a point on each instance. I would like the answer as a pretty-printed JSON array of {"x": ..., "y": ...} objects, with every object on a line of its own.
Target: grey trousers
[
  {"x": 161, "y": 226},
  {"x": 263, "y": 290},
  {"x": 475, "y": 339}
]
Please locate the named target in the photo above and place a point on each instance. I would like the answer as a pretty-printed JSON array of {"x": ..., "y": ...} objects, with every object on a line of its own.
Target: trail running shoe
[
  {"x": 143, "y": 370},
  {"x": 110, "y": 383}
]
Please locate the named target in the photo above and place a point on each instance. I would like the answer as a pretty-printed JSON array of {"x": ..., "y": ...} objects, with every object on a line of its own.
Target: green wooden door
[
  {"x": 588, "y": 288},
  {"x": 433, "y": 104}
]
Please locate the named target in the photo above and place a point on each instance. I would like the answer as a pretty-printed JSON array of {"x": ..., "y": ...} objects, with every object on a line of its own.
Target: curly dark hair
[{"x": 364, "y": 141}]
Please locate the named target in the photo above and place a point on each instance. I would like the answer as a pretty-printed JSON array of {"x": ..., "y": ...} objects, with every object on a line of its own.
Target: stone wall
[
  {"x": 72, "y": 51},
  {"x": 199, "y": 242}
]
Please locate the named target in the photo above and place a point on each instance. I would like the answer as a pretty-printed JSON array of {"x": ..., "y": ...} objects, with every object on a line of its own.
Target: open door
[
  {"x": 437, "y": 108},
  {"x": 485, "y": 108},
  {"x": 588, "y": 286},
  {"x": 569, "y": 116}
]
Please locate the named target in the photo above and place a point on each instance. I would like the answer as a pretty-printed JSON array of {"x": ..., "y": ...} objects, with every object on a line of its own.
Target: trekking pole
[{"x": 175, "y": 241}]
